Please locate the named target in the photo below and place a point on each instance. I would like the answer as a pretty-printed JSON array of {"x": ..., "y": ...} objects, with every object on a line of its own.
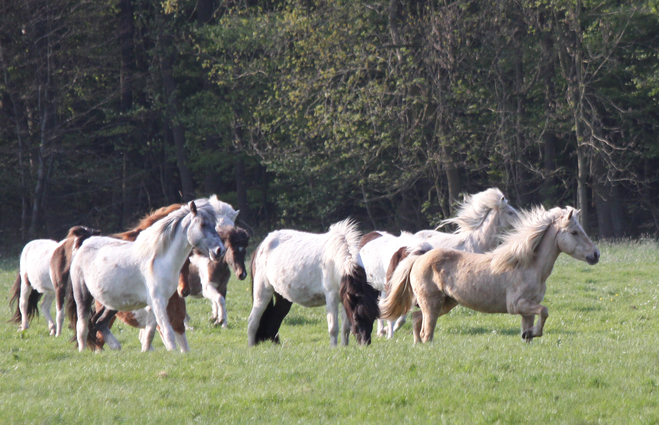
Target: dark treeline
[{"x": 303, "y": 112}]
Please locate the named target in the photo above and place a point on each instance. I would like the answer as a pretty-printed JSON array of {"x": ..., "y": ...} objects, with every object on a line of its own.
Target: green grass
[{"x": 598, "y": 362}]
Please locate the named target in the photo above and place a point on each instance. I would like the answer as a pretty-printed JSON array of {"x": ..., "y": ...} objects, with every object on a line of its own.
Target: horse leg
[
  {"x": 23, "y": 303},
  {"x": 382, "y": 327},
  {"x": 417, "y": 320},
  {"x": 400, "y": 322},
  {"x": 217, "y": 303},
  {"x": 332, "y": 308},
  {"x": 182, "y": 342},
  {"x": 159, "y": 307},
  {"x": 345, "y": 326},
  {"x": 431, "y": 302},
  {"x": 60, "y": 294},
  {"x": 262, "y": 296},
  {"x": 527, "y": 326},
  {"x": 45, "y": 308},
  {"x": 526, "y": 307}
]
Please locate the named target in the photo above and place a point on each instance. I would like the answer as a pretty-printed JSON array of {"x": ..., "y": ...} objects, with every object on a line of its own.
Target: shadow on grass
[
  {"x": 300, "y": 321},
  {"x": 482, "y": 330}
]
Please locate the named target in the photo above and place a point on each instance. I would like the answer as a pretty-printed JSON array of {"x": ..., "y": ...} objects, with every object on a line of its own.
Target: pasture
[{"x": 598, "y": 362}]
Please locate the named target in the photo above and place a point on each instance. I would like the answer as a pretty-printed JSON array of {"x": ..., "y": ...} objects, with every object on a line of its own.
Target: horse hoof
[{"x": 527, "y": 336}]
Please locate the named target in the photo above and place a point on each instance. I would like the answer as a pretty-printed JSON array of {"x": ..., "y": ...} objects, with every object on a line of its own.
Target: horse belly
[
  {"x": 477, "y": 292},
  {"x": 301, "y": 284},
  {"x": 119, "y": 289}
]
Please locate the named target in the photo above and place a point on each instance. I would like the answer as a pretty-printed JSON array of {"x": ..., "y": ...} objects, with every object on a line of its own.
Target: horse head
[
  {"x": 572, "y": 239},
  {"x": 360, "y": 301},
  {"x": 506, "y": 215},
  {"x": 236, "y": 240},
  {"x": 201, "y": 231}
]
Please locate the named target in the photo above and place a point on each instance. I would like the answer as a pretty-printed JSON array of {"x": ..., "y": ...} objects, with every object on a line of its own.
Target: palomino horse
[
  {"x": 36, "y": 276},
  {"x": 311, "y": 270},
  {"x": 481, "y": 219},
  {"x": 511, "y": 279},
  {"x": 209, "y": 278},
  {"x": 176, "y": 306},
  {"x": 125, "y": 276}
]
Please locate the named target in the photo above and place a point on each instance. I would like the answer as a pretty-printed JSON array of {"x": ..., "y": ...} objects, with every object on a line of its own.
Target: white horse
[
  {"x": 481, "y": 219},
  {"x": 35, "y": 278},
  {"x": 380, "y": 254},
  {"x": 311, "y": 270},
  {"x": 144, "y": 319},
  {"x": 511, "y": 279},
  {"x": 124, "y": 275}
]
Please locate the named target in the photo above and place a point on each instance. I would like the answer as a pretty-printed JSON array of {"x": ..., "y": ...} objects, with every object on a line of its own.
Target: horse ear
[
  {"x": 193, "y": 208},
  {"x": 235, "y": 214}
]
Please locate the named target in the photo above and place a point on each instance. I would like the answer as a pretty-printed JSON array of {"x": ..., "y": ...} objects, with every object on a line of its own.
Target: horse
[
  {"x": 510, "y": 279},
  {"x": 176, "y": 306},
  {"x": 311, "y": 270},
  {"x": 125, "y": 275},
  {"x": 380, "y": 253},
  {"x": 43, "y": 263},
  {"x": 481, "y": 219},
  {"x": 209, "y": 280}
]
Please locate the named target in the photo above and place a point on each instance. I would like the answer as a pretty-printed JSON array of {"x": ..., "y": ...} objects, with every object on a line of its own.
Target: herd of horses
[{"x": 497, "y": 261}]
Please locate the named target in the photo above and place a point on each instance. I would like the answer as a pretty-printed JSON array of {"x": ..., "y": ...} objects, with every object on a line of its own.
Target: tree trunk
[
  {"x": 452, "y": 176},
  {"x": 173, "y": 112}
]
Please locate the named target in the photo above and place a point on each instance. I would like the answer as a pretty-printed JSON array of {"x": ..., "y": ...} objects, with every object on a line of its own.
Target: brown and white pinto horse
[
  {"x": 44, "y": 265},
  {"x": 209, "y": 278}
]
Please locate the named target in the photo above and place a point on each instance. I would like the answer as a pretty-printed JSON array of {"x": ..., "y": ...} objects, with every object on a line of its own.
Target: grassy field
[{"x": 598, "y": 362}]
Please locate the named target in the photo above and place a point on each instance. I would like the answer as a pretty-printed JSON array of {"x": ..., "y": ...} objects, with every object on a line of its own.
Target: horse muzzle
[
  {"x": 242, "y": 275},
  {"x": 594, "y": 258}
]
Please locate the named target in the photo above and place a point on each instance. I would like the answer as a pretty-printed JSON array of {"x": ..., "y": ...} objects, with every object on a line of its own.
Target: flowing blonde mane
[
  {"x": 156, "y": 238},
  {"x": 473, "y": 210},
  {"x": 518, "y": 247},
  {"x": 146, "y": 222}
]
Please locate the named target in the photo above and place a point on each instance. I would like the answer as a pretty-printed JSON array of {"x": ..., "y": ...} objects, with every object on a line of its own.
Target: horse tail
[
  {"x": 72, "y": 313},
  {"x": 32, "y": 302},
  {"x": 359, "y": 298},
  {"x": 400, "y": 294}
]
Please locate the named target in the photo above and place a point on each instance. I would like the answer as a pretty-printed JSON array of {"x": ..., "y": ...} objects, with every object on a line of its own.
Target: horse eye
[{"x": 574, "y": 233}]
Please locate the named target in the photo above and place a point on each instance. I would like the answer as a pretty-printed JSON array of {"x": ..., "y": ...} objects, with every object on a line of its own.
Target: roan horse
[
  {"x": 311, "y": 270},
  {"x": 511, "y": 279},
  {"x": 125, "y": 276},
  {"x": 43, "y": 263},
  {"x": 481, "y": 219},
  {"x": 235, "y": 241}
]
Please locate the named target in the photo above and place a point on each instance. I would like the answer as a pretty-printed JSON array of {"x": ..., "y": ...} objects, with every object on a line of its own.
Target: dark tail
[
  {"x": 361, "y": 303},
  {"x": 72, "y": 313},
  {"x": 32, "y": 303},
  {"x": 274, "y": 313}
]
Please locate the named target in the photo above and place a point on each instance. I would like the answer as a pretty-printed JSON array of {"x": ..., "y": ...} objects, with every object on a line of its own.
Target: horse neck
[
  {"x": 178, "y": 248},
  {"x": 483, "y": 238},
  {"x": 547, "y": 253}
]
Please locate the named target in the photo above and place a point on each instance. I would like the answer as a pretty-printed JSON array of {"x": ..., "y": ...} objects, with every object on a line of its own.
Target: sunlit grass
[{"x": 598, "y": 362}]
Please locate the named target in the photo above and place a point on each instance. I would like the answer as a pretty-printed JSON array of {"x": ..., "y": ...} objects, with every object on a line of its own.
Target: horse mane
[
  {"x": 519, "y": 245},
  {"x": 473, "y": 210},
  {"x": 155, "y": 239},
  {"x": 146, "y": 222},
  {"x": 222, "y": 209}
]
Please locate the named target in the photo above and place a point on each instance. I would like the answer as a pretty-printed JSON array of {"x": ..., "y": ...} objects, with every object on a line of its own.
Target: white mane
[
  {"x": 155, "y": 239},
  {"x": 518, "y": 247},
  {"x": 473, "y": 210}
]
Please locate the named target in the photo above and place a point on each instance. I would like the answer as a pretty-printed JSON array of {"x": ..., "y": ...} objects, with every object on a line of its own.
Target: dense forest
[{"x": 303, "y": 112}]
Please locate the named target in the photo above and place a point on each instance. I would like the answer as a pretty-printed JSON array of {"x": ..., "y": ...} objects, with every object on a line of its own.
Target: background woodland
[{"x": 303, "y": 112}]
